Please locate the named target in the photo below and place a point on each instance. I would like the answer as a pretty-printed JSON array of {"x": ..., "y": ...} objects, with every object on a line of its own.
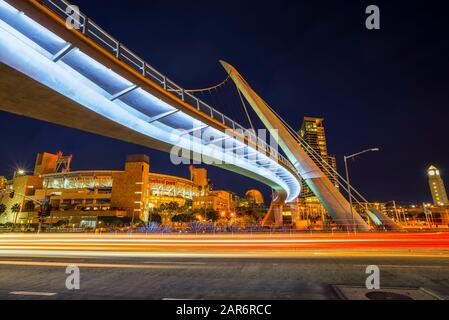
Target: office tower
[
  {"x": 313, "y": 133},
  {"x": 437, "y": 188}
]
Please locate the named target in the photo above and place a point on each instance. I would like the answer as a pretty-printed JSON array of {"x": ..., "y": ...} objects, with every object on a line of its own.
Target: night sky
[{"x": 386, "y": 89}]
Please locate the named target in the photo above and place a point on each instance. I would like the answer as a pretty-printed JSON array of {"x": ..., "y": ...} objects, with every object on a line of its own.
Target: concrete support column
[{"x": 277, "y": 211}]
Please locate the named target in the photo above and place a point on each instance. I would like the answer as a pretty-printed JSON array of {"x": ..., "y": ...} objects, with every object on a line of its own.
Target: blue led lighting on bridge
[{"x": 33, "y": 50}]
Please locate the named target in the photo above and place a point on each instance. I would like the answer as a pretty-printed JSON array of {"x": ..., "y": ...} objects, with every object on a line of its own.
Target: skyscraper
[
  {"x": 437, "y": 188},
  {"x": 313, "y": 133}
]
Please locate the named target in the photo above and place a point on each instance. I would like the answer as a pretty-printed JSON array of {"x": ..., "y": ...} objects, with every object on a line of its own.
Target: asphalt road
[
  {"x": 206, "y": 278},
  {"x": 208, "y": 267}
]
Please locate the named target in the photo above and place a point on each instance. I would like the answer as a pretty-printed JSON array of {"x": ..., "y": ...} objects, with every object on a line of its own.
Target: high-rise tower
[
  {"x": 437, "y": 188},
  {"x": 313, "y": 132}
]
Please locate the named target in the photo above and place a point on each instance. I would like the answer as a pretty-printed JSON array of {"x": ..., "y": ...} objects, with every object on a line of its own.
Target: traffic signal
[
  {"x": 40, "y": 212},
  {"x": 44, "y": 210}
]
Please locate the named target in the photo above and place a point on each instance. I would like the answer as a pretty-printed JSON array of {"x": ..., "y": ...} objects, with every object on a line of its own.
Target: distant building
[
  {"x": 80, "y": 197},
  {"x": 313, "y": 133},
  {"x": 199, "y": 177},
  {"x": 308, "y": 207},
  {"x": 417, "y": 215},
  {"x": 24, "y": 188},
  {"x": 255, "y": 196},
  {"x": 45, "y": 163},
  {"x": 437, "y": 187},
  {"x": 3, "y": 182},
  {"x": 131, "y": 187},
  {"x": 220, "y": 201}
]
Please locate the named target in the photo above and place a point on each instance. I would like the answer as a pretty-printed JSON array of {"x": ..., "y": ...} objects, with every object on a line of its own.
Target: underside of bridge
[
  {"x": 89, "y": 81},
  {"x": 53, "y": 74}
]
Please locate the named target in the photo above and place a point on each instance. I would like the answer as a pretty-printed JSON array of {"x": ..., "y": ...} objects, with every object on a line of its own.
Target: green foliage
[
  {"x": 173, "y": 209},
  {"x": 61, "y": 223},
  {"x": 170, "y": 207},
  {"x": 115, "y": 221},
  {"x": 15, "y": 208},
  {"x": 251, "y": 214},
  {"x": 2, "y": 209},
  {"x": 212, "y": 215},
  {"x": 29, "y": 206},
  {"x": 183, "y": 218},
  {"x": 188, "y": 204},
  {"x": 155, "y": 217}
]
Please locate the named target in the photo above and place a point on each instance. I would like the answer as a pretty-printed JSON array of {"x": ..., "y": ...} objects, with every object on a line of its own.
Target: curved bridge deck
[{"x": 85, "y": 79}]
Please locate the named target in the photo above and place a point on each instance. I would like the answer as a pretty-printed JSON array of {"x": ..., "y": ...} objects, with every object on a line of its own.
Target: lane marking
[
  {"x": 89, "y": 265},
  {"x": 176, "y": 262},
  {"x": 395, "y": 266},
  {"x": 288, "y": 254},
  {"x": 175, "y": 299},
  {"x": 31, "y": 293},
  {"x": 137, "y": 241}
]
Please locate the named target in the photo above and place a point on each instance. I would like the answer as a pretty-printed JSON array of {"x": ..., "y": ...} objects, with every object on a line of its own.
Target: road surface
[{"x": 218, "y": 267}]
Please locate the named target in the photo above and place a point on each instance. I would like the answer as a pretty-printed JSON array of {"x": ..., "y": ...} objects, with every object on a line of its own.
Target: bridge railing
[{"x": 94, "y": 32}]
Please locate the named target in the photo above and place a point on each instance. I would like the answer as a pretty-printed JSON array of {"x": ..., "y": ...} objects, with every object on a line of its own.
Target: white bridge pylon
[{"x": 334, "y": 202}]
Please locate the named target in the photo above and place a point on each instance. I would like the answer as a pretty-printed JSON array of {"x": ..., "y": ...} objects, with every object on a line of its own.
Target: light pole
[
  {"x": 395, "y": 208},
  {"x": 346, "y": 158},
  {"x": 19, "y": 172}
]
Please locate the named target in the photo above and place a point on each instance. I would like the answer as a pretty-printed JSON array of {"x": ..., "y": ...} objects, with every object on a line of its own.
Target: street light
[
  {"x": 19, "y": 172},
  {"x": 348, "y": 182}
]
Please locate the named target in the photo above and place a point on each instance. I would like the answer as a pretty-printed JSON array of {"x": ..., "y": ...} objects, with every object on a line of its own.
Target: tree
[
  {"x": 2, "y": 209},
  {"x": 15, "y": 208},
  {"x": 172, "y": 207},
  {"x": 212, "y": 215},
  {"x": 155, "y": 218},
  {"x": 183, "y": 218},
  {"x": 188, "y": 205},
  {"x": 29, "y": 206},
  {"x": 112, "y": 221},
  {"x": 252, "y": 213}
]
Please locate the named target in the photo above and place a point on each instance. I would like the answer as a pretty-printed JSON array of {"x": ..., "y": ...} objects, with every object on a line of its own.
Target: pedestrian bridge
[
  {"x": 58, "y": 66},
  {"x": 85, "y": 79}
]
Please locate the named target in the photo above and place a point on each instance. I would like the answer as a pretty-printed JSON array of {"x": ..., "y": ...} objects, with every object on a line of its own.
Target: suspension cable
[
  {"x": 317, "y": 156},
  {"x": 328, "y": 168},
  {"x": 210, "y": 88},
  {"x": 246, "y": 110}
]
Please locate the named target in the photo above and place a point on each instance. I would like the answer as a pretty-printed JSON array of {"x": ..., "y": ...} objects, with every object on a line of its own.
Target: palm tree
[
  {"x": 15, "y": 209},
  {"x": 29, "y": 207},
  {"x": 2, "y": 209}
]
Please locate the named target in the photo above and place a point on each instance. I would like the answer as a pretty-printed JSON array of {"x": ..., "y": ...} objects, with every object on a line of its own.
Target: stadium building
[{"x": 80, "y": 197}]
